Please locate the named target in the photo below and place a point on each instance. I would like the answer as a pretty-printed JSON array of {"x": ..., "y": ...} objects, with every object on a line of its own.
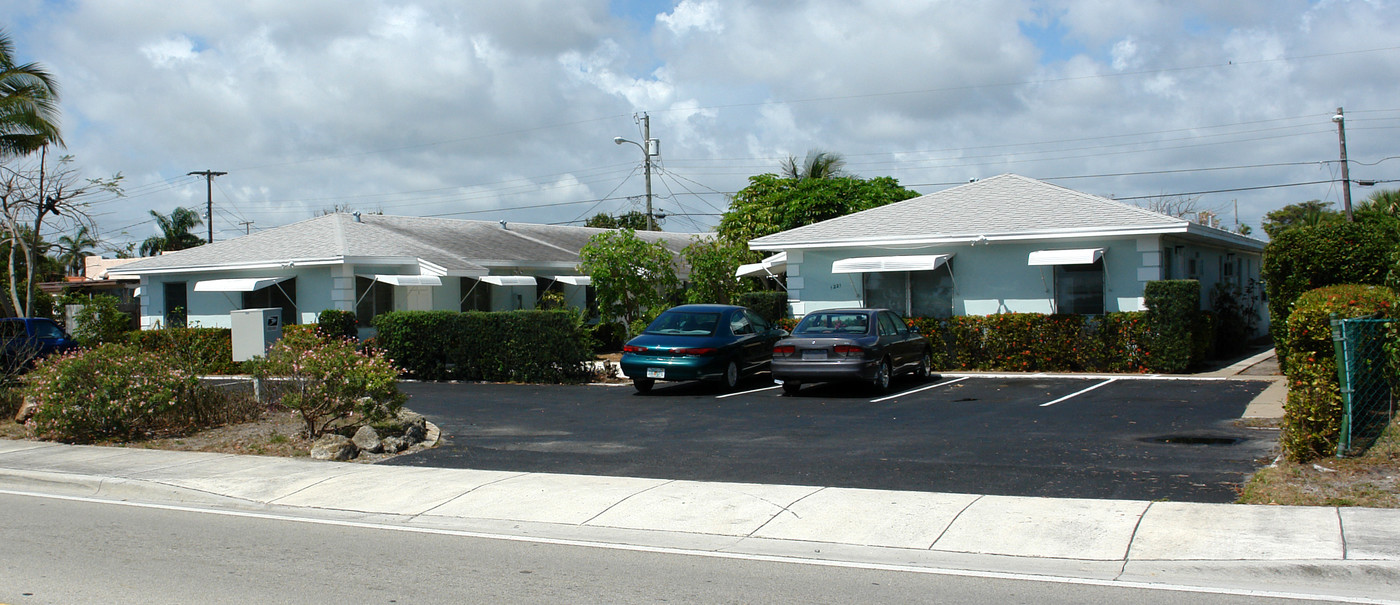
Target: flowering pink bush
[
  {"x": 111, "y": 392},
  {"x": 327, "y": 380}
]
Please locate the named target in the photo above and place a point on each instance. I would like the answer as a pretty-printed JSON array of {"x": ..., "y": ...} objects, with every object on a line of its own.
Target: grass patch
[{"x": 1371, "y": 479}]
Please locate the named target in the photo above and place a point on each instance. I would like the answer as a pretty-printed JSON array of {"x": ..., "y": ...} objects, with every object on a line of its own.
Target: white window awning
[
  {"x": 406, "y": 280},
  {"x": 1083, "y": 256},
  {"x": 243, "y": 284},
  {"x": 508, "y": 280},
  {"x": 574, "y": 280},
  {"x": 876, "y": 264},
  {"x": 772, "y": 265}
]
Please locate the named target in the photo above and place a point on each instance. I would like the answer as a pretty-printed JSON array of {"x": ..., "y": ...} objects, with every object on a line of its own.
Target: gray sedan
[{"x": 868, "y": 345}]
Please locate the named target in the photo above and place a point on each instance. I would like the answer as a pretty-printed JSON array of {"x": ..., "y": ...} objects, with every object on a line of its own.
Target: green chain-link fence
[{"x": 1367, "y": 378}]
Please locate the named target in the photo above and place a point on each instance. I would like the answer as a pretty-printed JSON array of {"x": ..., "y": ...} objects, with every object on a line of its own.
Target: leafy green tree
[
  {"x": 100, "y": 320},
  {"x": 817, "y": 165},
  {"x": 327, "y": 381},
  {"x": 634, "y": 220},
  {"x": 28, "y": 105},
  {"x": 1385, "y": 201},
  {"x": 713, "y": 262},
  {"x": 175, "y": 232},
  {"x": 771, "y": 203},
  {"x": 1306, "y": 214},
  {"x": 630, "y": 275}
]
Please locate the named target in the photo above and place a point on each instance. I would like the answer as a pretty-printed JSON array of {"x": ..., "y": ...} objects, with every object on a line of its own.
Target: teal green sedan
[{"x": 720, "y": 343}]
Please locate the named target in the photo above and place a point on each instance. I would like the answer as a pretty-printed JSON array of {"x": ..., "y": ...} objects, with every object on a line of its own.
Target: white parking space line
[
  {"x": 1093, "y": 376},
  {"x": 911, "y": 392},
  {"x": 1078, "y": 393},
  {"x": 747, "y": 392}
]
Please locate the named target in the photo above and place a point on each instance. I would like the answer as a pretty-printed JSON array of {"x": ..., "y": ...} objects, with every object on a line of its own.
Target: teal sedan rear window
[{"x": 682, "y": 323}]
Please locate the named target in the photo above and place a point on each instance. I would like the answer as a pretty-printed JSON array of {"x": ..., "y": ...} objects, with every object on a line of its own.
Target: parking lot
[{"x": 1088, "y": 437}]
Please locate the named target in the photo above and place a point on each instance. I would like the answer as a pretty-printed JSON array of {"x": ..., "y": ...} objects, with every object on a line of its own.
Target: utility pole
[
  {"x": 647, "y": 151},
  {"x": 247, "y": 227},
  {"x": 209, "y": 191},
  {"x": 650, "y": 147},
  {"x": 1346, "y": 172}
]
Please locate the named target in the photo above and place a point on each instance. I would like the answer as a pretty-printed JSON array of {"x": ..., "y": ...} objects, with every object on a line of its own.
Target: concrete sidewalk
[{"x": 1346, "y": 553}]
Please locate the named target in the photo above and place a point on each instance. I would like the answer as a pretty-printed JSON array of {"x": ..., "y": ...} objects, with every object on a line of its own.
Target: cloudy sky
[{"x": 507, "y": 110}]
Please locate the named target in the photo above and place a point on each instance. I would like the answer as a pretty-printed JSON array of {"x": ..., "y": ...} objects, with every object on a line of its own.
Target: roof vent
[
  {"x": 503, "y": 226},
  {"x": 356, "y": 214}
]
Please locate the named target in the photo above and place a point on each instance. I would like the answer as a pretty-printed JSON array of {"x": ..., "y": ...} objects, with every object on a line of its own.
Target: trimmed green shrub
[
  {"x": 327, "y": 381},
  {"x": 112, "y": 392},
  {"x": 1172, "y": 309},
  {"x": 334, "y": 323},
  {"x": 505, "y": 346},
  {"x": 1034, "y": 342},
  {"x": 1313, "y": 413},
  {"x": 771, "y": 305},
  {"x": 1306, "y": 258},
  {"x": 200, "y": 350}
]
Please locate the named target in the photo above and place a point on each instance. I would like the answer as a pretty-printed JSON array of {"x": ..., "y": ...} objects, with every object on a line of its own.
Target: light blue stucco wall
[
  {"x": 995, "y": 277},
  {"x": 326, "y": 287}
]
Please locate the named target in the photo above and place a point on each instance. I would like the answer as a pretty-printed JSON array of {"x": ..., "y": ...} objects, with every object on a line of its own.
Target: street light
[{"x": 648, "y": 150}]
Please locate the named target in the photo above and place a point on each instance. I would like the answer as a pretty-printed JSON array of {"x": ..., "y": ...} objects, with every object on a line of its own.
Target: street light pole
[
  {"x": 649, "y": 148},
  {"x": 1346, "y": 172}
]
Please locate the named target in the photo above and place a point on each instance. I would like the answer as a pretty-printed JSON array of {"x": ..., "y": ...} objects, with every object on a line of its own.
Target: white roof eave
[{"x": 877, "y": 242}]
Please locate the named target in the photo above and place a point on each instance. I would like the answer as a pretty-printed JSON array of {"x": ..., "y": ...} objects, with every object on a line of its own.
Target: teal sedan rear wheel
[{"x": 731, "y": 375}]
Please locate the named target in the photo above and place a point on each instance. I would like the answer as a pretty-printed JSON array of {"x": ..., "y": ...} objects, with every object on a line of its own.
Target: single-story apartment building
[
  {"x": 1004, "y": 244},
  {"x": 369, "y": 264}
]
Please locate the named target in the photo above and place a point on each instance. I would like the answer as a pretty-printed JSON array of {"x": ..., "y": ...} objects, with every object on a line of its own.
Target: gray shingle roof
[
  {"x": 456, "y": 245},
  {"x": 1001, "y": 205}
]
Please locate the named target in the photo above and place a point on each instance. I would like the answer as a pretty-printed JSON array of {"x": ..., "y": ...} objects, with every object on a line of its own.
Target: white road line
[
  {"x": 715, "y": 554},
  {"x": 911, "y": 392},
  {"x": 747, "y": 392},
  {"x": 1076, "y": 394},
  {"x": 1104, "y": 376}
]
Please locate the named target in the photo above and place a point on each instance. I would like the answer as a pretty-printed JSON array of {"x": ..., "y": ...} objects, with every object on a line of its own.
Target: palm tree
[
  {"x": 817, "y": 165},
  {"x": 28, "y": 105},
  {"x": 73, "y": 249},
  {"x": 175, "y": 232}
]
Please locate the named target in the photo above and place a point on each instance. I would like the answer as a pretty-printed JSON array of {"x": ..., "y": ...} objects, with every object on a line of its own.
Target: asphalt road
[
  {"x": 64, "y": 550},
  {"x": 1130, "y": 439}
]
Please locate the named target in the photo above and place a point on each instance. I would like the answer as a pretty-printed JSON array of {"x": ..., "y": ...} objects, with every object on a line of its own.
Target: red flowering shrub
[{"x": 1312, "y": 416}]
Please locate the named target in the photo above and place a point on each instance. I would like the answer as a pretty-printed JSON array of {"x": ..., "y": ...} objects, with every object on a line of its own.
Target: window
[
  {"x": 476, "y": 296},
  {"x": 176, "y": 304},
  {"x": 913, "y": 293},
  {"x": 371, "y": 298},
  {"x": 1079, "y": 289},
  {"x": 281, "y": 295},
  {"x": 888, "y": 325}
]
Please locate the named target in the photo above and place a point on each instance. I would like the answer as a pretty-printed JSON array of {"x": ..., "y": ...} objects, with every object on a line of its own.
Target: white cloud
[
  {"x": 436, "y": 107},
  {"x": 165, "y": 53}
]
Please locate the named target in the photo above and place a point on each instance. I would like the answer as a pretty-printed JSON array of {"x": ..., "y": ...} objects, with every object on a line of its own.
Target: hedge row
[
  {"x": 1306, "y": 258},
  {"x": 507, "y": 346},
  {"x": 1034, "y": 342},
  {"x": 1312, "y": 416},
  {"x": 201, "y": 350}
]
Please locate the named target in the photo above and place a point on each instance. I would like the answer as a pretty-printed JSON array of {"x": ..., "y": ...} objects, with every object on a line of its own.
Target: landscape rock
[
  {"x": 367, "y": 440},
  {"x": 394, "y": 445},
  {"x": 334, "y": 447},
  {"x": 27, "y": 410}
]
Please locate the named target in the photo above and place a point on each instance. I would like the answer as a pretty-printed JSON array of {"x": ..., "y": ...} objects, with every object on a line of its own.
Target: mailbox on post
[{"x": 254, "y": 330}]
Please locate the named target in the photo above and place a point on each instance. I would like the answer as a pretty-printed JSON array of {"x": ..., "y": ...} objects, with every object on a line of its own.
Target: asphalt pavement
[{"x": 1121, "y": 437}]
